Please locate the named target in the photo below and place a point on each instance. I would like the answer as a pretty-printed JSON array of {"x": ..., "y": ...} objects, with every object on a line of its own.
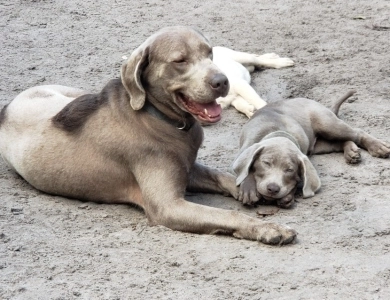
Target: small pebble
[{"x": 17, "y": 211}]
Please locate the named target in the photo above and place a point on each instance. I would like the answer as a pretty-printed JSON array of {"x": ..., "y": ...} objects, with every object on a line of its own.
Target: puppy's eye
[
  {"x": 289, "y": 170},
  {"x": 267, "y": 163},
  {"x": 180, "y": 61}
]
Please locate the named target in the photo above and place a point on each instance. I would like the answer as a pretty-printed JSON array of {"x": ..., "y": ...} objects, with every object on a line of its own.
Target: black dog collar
[{"x": 184, "y": 125}]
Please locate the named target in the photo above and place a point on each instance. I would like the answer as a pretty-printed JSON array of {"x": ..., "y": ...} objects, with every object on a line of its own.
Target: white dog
[{"x": 237, "y": 66}]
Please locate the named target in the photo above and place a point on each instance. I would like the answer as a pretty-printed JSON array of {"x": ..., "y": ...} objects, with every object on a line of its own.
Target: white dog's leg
[
  {"x": 272, "y": 60},
  {"x": 244, "y": 89},
  {"x": 243, "y": 106},
  {"x": 269, "y": 60},
  {"x": 250, "y": 69},
  {"x": 226, "y": 101}
]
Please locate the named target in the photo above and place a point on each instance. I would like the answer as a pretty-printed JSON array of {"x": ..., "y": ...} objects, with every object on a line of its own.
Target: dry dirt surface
[{"x": 56, "y": 248}]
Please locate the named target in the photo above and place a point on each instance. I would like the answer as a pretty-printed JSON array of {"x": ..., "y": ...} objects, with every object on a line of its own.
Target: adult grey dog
[
  {"x": 275, "y": 142},
  {"x": 136, "y": 141}
]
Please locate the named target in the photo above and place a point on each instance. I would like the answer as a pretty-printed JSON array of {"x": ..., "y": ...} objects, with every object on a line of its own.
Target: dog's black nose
[
  {"x": 220, "y": 84},
  {"x": 273, "y": 188}
]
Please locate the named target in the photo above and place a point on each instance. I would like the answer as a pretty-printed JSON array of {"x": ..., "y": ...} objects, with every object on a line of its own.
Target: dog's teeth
[{"x": 205, "y": 111}]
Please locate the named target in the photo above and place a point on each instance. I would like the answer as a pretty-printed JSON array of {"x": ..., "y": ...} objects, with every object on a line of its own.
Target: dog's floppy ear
[
  {"x": 244, "y": 161},
  {"x": 311, "y": 181},
  {"x": 131, "y": 76}
]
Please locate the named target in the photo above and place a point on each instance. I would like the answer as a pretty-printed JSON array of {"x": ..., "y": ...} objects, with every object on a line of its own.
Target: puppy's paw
[
  {"x": 351, "y": 153},
  {"x": 248, "y": 193},
  {"x": 379, "y": 148},
  {"x": 248, "y": 197}
]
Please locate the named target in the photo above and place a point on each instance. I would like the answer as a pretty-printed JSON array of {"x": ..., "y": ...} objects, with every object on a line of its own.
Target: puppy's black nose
[
  {"x": 273, "y": 188},
  {"x": 220, "y": 84}
]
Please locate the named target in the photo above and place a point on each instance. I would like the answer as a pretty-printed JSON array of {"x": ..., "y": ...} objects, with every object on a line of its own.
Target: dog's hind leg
[
  {"x": 350, "y": 149},
  {"x": 329, "y": 127}
]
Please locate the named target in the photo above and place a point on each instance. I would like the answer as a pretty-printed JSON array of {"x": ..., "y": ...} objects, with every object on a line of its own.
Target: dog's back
[
  {"x": 287, "y": 115},
  {"x": 300, "y": 117}
]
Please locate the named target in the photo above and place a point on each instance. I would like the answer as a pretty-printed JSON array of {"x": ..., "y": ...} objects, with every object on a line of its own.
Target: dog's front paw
[
  {"x": 249, "y": 111},
  {"x": 272, "y": 60},
  {"x": 275, "y": 234},
  {"x": 267, "y": 233},
  {"x": 248, "y": 193},
  {"x": 224, "y": 102},
  {"x": 282, "y": 62}
]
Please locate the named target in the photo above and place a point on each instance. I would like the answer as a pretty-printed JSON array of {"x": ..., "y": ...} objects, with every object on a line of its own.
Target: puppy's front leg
[
  {"x": 248, "y": 192},
  {"x": 207, "y": 180}
]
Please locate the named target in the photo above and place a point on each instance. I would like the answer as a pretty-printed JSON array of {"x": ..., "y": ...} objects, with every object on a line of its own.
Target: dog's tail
[{"x": 336, "y": 106}]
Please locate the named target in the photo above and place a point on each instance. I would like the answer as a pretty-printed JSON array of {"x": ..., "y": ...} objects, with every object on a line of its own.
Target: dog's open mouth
[{"x": 204, "y": 112}]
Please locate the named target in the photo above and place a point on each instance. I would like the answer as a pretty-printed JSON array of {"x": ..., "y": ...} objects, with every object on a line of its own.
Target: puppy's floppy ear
[
  {"x": 131, "y": 76},
  {"x": 244, "y": 161},
  {"x": 311, "y": 181}
]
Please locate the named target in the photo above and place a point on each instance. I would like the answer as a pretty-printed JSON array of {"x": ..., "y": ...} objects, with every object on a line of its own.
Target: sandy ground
[{"x": 55, "y": 248}]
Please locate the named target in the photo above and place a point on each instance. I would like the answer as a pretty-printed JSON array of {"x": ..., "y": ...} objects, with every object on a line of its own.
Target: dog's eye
[
  {"x": 289, "y": 170},
  {"x": 267, "y": 163},
  {"x": 180, "y": 61}
]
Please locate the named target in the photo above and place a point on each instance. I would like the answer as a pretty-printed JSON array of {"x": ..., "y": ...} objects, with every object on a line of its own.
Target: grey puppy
[
  {"x": 275, "y": 143},
  {"x": 136, "y": 141}
]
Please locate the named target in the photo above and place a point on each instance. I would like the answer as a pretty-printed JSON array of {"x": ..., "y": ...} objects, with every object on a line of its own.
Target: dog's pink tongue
[{"x": 212, "y": 109}]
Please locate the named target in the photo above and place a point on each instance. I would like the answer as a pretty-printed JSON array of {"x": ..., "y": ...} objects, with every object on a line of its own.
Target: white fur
[
  {"x": 31, "y": 113},
  {"x": 237, "y": 66}
]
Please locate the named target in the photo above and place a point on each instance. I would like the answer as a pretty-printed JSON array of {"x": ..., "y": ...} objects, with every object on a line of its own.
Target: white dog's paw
[
  {"x": 249, "y": 111},
  {"x": 224, "y": 102},
  {"x": 283, "y": 62},
  {"x": 272, "y": 60}
]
